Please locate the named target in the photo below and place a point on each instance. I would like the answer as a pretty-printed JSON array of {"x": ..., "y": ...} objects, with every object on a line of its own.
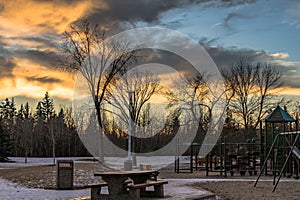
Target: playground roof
[{"x": 279, "y": 115}]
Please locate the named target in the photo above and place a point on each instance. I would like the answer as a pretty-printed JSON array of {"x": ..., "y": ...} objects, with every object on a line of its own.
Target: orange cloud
[
  {"x": 290, "y": 91},
  {"x": 32, "y": 80},
  {"x": 31, "y": 17}
]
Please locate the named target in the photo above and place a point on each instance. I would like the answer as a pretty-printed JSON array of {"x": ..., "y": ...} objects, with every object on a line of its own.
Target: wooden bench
[{"x": 141, "y": 191}]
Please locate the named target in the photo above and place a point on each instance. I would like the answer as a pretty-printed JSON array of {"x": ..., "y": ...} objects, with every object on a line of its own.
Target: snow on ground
[
  {"x": 8, "y": 190},
  {"x": 156, "y": 162},
  {"x": 20, "y": 161},
  {"x": 177, "y": 188},
  {"x": 11, "y": 191}
]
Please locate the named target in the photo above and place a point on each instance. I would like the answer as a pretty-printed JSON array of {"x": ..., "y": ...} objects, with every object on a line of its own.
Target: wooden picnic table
[{"x": 117, "y": 181}]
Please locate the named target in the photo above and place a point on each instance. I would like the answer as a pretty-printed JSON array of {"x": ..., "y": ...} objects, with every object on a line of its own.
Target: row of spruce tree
[{"x": 41, "y": 133}]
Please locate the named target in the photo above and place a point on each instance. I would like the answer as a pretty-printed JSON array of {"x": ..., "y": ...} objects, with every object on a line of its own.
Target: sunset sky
[{"x": 31, "y": 35}]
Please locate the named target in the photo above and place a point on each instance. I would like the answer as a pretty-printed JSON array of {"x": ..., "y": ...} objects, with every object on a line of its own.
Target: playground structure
[
  {"x": 276, "y": 153},
  {"x": 291, "y": 155},
  {"x": 238, "y": 158},
  {"x": 280, "y": 154},
  {"x": 225, "y": 157},
  {"x": 276, "y": 141}
]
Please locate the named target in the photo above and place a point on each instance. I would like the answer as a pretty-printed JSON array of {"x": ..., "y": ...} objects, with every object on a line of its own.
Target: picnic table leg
[
  {"x": 142, "y": 179},
  {"x": 159, "y": 191},
  {"x": 95, "y": 193},
  {"x": 116, "y": 187},
  {"x": 134, "y": 194}
]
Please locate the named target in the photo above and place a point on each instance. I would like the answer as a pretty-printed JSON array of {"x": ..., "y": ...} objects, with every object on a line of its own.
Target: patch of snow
[
  {"x": 11, "y": 191},
  {"x": 33, "y": 161},
  {"x": 156, "y": 162}
]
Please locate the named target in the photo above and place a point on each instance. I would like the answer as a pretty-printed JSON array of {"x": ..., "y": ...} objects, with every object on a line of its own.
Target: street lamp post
[
  {"x": 128, "y": 162},
  {"x": 129, "y": 125}
]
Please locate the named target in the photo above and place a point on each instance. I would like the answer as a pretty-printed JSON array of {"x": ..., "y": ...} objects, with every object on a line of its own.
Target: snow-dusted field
[
  {"x": 20, "y": 161},
  {"x": 156, "y": 162},
  {"x": 11, "y": 191}
]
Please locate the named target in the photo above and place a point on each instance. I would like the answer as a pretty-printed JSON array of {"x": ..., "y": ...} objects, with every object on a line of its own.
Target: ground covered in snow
[
  {"x": 45, "y": 176},
  {"x": 34, "y": 180}
]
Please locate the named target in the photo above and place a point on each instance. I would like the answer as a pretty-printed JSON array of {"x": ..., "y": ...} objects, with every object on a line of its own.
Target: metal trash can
[{"x": 65, "y": 172}]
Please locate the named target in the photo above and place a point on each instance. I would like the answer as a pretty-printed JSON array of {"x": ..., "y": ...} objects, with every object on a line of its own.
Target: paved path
[{"x": 176, "y": 189}]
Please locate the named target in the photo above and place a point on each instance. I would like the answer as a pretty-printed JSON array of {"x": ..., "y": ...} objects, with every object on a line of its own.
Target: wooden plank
[
  {"x": 148, "y": 184},
  {"x": 126, "y": 173},
  {"x": 95, "y": 185}
]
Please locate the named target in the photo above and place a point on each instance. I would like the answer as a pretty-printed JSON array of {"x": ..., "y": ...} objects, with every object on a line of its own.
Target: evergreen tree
[
  {"x": 8, "y": 110},
  {"x": 27, "y": 113},
  {"x": 38, "y": 112},
  {"x": 5, "y": 144},
  {"x": 47, "y": 107},
  {"x": 21, "y": 113},
  {"x": 8, "y": 116}
]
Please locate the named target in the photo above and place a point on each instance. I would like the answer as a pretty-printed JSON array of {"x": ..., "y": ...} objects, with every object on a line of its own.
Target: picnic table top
[{"x": 120, "y": 173}]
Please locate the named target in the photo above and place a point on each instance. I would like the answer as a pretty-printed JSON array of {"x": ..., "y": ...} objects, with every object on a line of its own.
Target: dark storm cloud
[
  {"x": 292, "y": 82},
  {"x": 45, "y": 42},
  {"x": 229, "y": 3},
  {"x": 223, "y": 3},
  {"x": 44, "y": 79},
  {"x": 3, "y": 45},
  {"x": 133, "y": 10},
  {"x": 45, "y": 58},
  {"x": 178, "y": 63},
  {"x": 148, "y": 10},
  {"x": 228, "y": 57},
  {"x": 6, "y": 67},
  {"x": 2, "y": 6}
]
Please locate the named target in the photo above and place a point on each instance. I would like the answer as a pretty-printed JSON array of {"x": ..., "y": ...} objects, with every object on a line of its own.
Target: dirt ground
[
  {"x": 241, "y": 190},
  {"x": 45, "y": 176}
]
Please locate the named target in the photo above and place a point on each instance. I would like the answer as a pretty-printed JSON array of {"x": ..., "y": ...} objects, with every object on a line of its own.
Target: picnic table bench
[
  {"x": 95, "y": 189},
  {"x": 142, "y": 192},
  {"x": 128, "y": 185}
]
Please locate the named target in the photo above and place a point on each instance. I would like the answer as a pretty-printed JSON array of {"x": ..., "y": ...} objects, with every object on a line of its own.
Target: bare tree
[
  {"x": 253, "y": 85},
  {"x": 192, "y": 98},
  {"x": 25, "y": 127},
  {"x": 142, "y": 86},
  {"x": 269, "y": 80},
  {"x": 79, "y": 42}
]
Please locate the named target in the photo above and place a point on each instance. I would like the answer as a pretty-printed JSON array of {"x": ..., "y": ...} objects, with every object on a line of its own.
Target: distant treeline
[
  {"x": 43, "y": 132},
  {"x": 39, "y": 132}
]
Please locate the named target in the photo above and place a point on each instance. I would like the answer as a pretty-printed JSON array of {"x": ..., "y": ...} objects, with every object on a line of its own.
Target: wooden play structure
[
  {"x": 225, "y": 158},
  {"x": 279, "y": 146},
  {"x": 275, "y": 139},
  {"x": 275, "y": 153},
  {"x": 240, "y": 158}
]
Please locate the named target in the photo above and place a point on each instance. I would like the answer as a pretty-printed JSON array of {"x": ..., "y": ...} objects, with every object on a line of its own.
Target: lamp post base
[{"x": 128, "y": 165}]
